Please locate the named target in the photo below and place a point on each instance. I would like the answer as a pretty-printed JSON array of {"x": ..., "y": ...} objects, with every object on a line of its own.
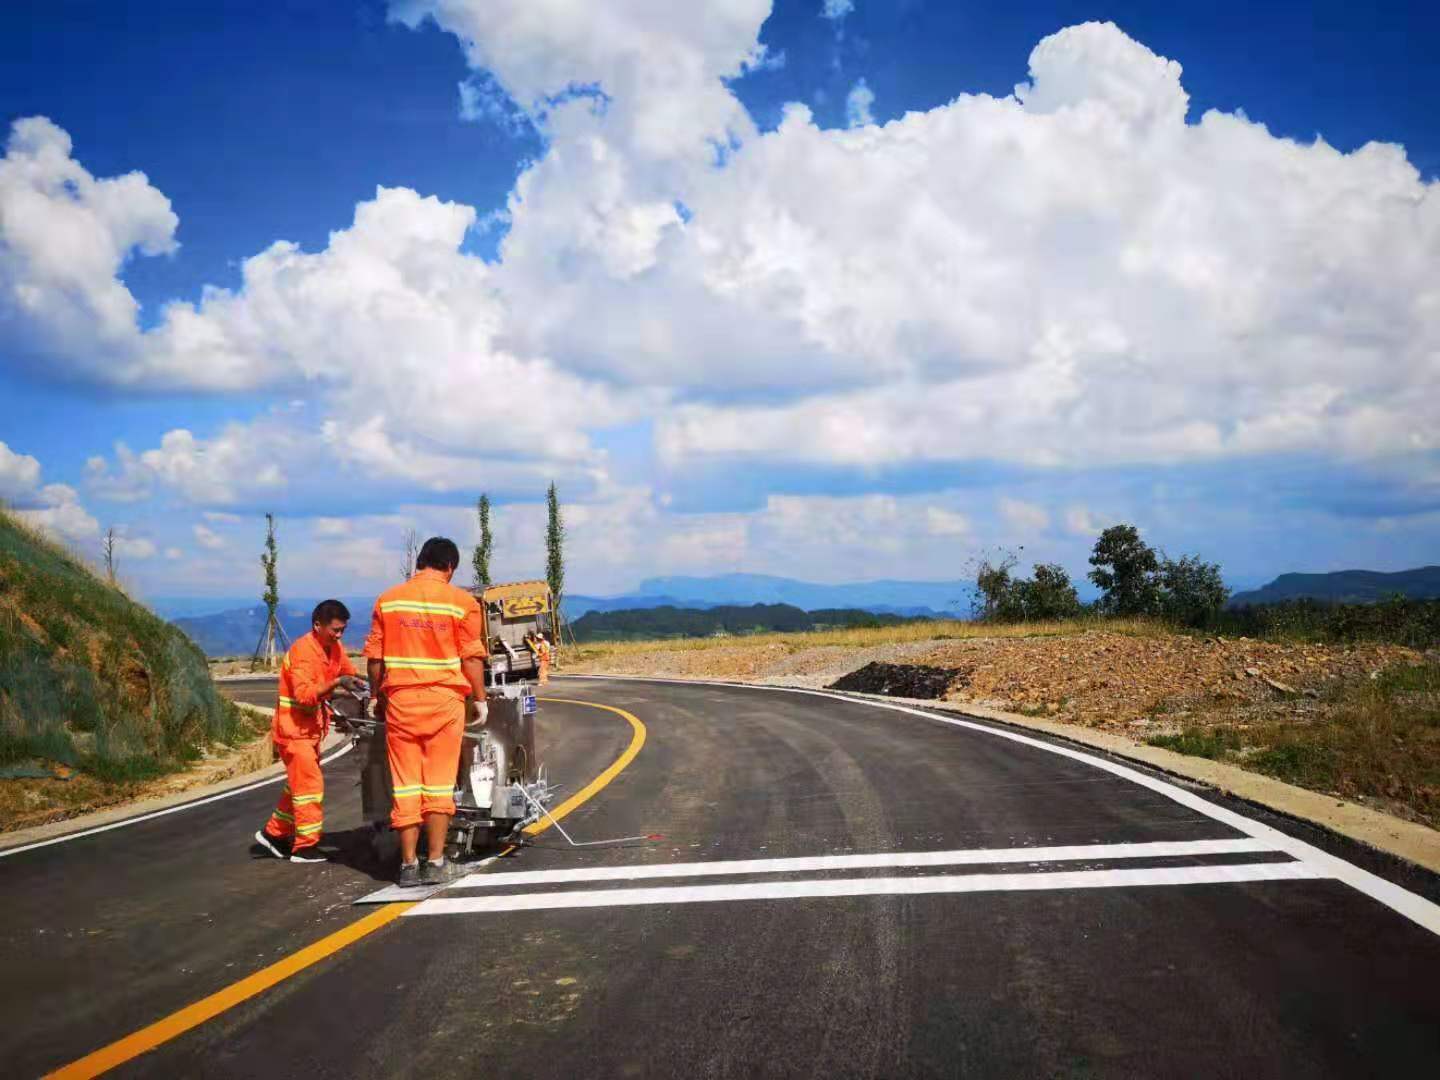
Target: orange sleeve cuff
[{"x": 374, "y": 641}]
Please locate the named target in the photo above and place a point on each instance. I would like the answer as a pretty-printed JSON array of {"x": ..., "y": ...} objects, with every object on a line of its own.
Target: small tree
[
  {"x": 994, "y": 598},
  {"x": 1191, "y": 591},
  {"x": 268, "y": 559},
  {"x": 1126, "y": 570},
  {"x": 481, "y": 557},
  {"x": 412, "y": 552},
  {"x": 1049, "y": 595},
  {"x": 265, "y": 648},
  {"x": 1003, "y": 598},
  {"x": 108, "y": 547},
  {"x": 554, "y": 546}
]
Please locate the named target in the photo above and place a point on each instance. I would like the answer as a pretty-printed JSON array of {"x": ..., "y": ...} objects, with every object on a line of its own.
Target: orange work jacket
[
  {"x": 307, "y": 667},
  {"x": 422, "y": 630}
]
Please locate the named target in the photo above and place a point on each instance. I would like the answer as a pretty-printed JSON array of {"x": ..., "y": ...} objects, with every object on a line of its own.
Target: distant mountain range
[
  {"x": 1346, "y": 587},
  {"x": 234, "y": 630},
  {"x": 885, "y": 597}
]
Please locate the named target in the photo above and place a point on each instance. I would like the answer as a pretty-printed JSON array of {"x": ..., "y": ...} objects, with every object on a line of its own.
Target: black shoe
[
  {"x": 279, "y": 846},
  {"x": 409, "y": 876},
  {"x": 431, "y": 874},
  {"x": 310, "y": 856}
]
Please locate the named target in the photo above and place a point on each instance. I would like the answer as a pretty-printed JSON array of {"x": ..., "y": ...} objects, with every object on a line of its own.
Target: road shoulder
[{"x": 256, "y": 767}]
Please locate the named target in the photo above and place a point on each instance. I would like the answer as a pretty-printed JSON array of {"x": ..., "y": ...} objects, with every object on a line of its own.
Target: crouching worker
[
  {"x": 426, "y": 654},
  {"x": 315, "y": 667}
]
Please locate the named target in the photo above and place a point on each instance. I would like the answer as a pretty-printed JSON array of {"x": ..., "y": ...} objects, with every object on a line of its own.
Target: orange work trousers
[
  {"x": 301, "y": 810},
  {"x": 424, "y": 726}
]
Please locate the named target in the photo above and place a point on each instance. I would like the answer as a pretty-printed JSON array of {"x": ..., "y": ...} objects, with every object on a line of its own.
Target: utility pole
[{"x": 272, "y": 638}]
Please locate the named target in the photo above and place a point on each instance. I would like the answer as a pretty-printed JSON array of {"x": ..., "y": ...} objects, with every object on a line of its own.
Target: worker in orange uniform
[
  {"x": 545, "y": 653},
  {"x": 425, "y": 655},
  {"x": 315, "y": 667}
]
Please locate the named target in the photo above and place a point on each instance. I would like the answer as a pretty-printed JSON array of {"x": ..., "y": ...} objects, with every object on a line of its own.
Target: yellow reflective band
[
  {"x": 301, "y": 800},
  {"x": 283, "y": 816},
  {"x": 421, "y": 663},
  {"x": 306, "y": 830},
  {"x": 293, "y": 704},
  {"x": 446, "y": 790},
  {"x": 408, "y": 793},
  {"x": 420, "y": 607}
]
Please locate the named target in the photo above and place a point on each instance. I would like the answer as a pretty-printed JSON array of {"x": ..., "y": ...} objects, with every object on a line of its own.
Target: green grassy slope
[{"x": 90, "y": 678}]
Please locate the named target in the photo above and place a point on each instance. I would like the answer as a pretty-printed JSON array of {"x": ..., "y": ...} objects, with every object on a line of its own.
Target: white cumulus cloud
[
  {"x": 55, "y": 508},
  {"x": 64, "y": 236},
  {"x": 1072, "y": 276}
]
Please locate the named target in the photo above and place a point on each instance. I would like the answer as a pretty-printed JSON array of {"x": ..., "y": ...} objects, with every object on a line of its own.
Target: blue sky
[{"x": 873, "y": 344}]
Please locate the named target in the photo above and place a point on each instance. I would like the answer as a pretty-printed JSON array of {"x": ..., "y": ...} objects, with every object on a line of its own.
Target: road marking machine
[{"x": 501, "y": 784}]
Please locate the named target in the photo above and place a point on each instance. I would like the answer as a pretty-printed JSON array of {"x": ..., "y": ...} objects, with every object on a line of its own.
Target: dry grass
[
  {"x": 869, "y": 637},
  {"x": 1371, "y": 740},
  {"x": 91, "y": 679}
]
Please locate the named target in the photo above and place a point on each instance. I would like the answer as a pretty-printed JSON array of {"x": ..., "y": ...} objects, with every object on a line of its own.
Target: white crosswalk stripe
[{"x": 875, "y": 886}]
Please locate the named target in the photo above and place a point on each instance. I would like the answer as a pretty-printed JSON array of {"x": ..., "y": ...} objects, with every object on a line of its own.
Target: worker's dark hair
[
  {"x": 438, "y": 553},
  {"x": 327, "y": 611}
]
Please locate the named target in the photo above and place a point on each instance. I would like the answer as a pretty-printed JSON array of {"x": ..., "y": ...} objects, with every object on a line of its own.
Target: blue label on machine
[{"x": 529, "y": 705}]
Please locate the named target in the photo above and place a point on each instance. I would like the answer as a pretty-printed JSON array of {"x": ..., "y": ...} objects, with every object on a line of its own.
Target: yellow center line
[{"x": 192, "y": 1016}]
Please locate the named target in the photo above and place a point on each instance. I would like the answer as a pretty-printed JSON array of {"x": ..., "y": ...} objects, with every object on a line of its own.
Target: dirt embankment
[
  {"x": 1097, "y": 678},
  {"x": 1357, "y": 721}
]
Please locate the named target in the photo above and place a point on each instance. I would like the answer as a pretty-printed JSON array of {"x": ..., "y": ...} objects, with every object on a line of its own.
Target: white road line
[
  {"x": 1414, "y": 907},
  {"x": 972, "y": 857},
  {"x": 168, "y": 810},
  {"x": 897, "y": 886}
]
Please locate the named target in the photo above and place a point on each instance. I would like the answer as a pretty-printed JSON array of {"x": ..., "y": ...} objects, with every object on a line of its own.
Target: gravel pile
[{"x": 898, "y": 680}]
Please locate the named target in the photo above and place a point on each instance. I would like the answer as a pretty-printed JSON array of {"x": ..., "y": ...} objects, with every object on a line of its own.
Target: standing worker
[
  {"x": 425, "y": 655},
  {"x": 545, "y": 653},
  {"x": 314, "y": 668}
]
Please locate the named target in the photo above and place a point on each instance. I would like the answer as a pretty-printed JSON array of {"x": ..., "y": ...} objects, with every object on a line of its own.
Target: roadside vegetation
[
  {"x": 1370, "y": 740},
  {"x": 1188, "y": 593},
  {"x": 94, "y": 687}
]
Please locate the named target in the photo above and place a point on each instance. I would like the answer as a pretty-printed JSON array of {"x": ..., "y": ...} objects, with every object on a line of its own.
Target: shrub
[
  {"x": 1191, "y": 591},
  {"x": 1126, "y": 570}
]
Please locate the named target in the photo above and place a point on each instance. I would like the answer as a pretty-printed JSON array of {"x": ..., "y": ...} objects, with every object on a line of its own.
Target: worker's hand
[
  {"x": 479, "y": 712},
  {"x": 353, "y": 684}
]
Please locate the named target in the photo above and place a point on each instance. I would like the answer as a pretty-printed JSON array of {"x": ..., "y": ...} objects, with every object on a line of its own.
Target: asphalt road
[{"x": 1220, "y": 956}]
